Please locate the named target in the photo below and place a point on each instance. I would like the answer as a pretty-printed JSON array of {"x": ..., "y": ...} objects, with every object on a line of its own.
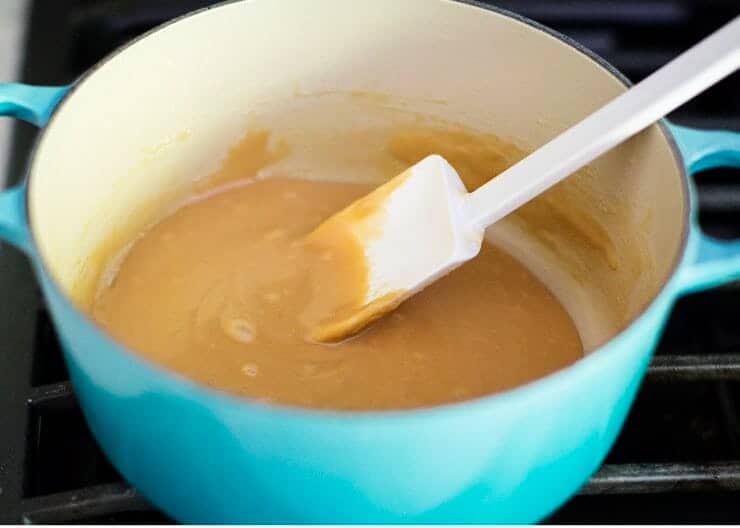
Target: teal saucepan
[{"x": 145, "y": 120}]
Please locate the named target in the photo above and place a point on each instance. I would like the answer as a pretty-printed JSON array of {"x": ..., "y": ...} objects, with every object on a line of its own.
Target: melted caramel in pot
[{"x": 225, "y": 291}]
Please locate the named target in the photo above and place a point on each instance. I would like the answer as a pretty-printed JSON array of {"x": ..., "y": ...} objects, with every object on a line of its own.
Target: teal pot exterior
[{"x": 208, "y": 457}]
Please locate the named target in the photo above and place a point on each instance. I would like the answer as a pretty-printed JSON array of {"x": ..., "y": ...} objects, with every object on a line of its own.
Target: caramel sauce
[{"x": 227, "y": 291}]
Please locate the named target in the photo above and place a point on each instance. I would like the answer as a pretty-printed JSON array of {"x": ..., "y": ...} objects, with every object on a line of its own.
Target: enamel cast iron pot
[{"x": 134, "y": 127}]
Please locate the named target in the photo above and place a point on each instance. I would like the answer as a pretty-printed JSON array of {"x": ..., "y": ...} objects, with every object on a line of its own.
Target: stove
[{"x": 677, "y": 459}]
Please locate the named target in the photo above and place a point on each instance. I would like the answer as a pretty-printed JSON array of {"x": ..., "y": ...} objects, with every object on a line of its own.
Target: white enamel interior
[{"x": 167, "y": 108}]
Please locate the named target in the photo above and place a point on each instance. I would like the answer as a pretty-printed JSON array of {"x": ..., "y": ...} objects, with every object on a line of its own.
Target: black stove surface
[{"x": 677, "y": 459}]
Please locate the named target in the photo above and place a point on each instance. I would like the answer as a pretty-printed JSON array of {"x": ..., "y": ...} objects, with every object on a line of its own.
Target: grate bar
[
  {"x": 712, "y": 367},
  {"x": 632, "y": 12},
  {"x": 725, "y": 121},
  {"x": 639, "y": 61},
  {"x": 662, "y": 478},
  {"x": 609, "y": 480},
  {"x": 78, "y": 505},
  {"x": 52, "y": 395},
  {"x": 719, "y": 198}
]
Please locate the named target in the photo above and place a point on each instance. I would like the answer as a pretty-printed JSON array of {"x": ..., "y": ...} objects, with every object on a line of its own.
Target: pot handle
[
  {"x": 33, "y": 104},
  {"x": 715, "y": 261}
]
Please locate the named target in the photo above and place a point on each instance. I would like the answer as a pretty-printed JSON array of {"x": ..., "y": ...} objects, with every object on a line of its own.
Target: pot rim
[{"x": 487, "y": 400}]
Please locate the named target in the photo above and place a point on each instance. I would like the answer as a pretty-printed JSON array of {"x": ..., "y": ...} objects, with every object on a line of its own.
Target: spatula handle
[{"x": 678, "y": 81}]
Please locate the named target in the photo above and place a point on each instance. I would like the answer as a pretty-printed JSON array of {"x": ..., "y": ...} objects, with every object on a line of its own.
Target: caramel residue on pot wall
[
  {"x": 257, "y": 150},
  {"x": 476, "y": 157}
]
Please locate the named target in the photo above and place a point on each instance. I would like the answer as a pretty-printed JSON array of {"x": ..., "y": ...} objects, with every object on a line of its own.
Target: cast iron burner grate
[{"x": 678, "y": 456}]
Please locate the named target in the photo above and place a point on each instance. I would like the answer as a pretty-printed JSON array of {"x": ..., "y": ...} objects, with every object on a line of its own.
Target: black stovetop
[{"x": 677, "y": 459}]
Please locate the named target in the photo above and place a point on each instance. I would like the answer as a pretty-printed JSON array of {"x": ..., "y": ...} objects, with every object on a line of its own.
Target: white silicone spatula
[{"x": 423, "y": 223}]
